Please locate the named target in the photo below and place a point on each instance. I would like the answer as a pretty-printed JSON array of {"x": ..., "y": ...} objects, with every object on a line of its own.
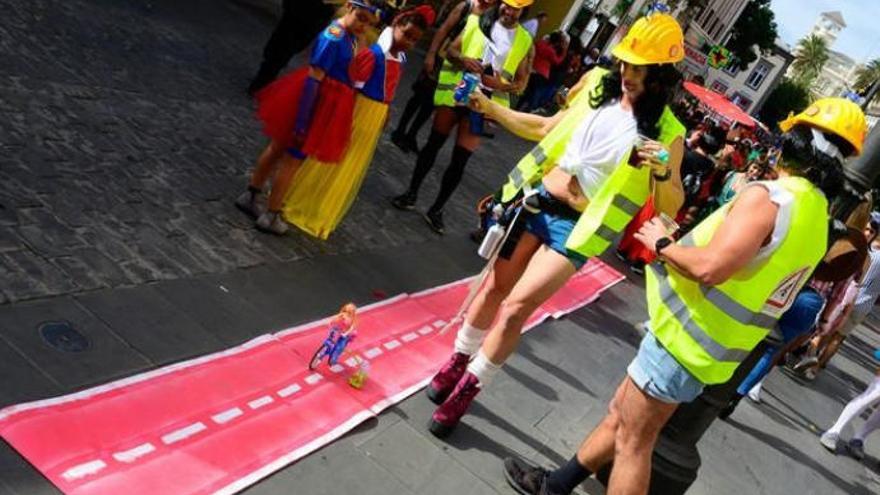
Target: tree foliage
[
  {"x": 789, "y": 96},
  {"x": 756, "y": 27},
  {"x": 810, "y": 57},
  {"x": 866, "y": 76}
]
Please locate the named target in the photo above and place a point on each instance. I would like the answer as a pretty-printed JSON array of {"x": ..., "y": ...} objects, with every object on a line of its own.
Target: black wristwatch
[
  {"x": 663, "y": 178},
  {"x": 661, "y": 244}
]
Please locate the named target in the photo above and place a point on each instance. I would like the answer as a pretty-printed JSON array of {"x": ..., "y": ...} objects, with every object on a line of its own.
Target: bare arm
[
  {"x": 748, "y": 224},
  {"x": 524, "y": 125},
  {"x": 441, "y": 35},
  {"x": 669, "y": 194}
]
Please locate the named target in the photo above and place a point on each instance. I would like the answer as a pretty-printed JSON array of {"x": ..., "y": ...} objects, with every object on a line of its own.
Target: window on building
[
  {"x": 719, "y": 86},
  {"x": 732, "y": 67},
  {"x": 761, "y": 71},
  {"x": 741, "y": 101}
]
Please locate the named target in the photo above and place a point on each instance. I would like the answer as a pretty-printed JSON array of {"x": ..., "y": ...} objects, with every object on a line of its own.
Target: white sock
[
  {"x": 469, "y": 339},
  {"x": 484, "y": 369}
]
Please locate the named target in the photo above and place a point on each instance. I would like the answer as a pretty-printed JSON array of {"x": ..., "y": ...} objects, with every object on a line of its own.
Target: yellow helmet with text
[
  {"x": 519, "y": 4},
  {"x": 838, "y": 116},
  {"x": 654, "y": 39}
]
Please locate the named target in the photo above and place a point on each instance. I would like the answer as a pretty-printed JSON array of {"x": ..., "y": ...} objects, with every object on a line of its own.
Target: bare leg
[
  {"x": 505, "y": 273},
  {"x": 547, "y": 272},
  {"x": 641, "y": 419},
  {"x": 266, "y": 163},
  {"x": 598, "y": 448},
  {"x": 286, "y": 171}
]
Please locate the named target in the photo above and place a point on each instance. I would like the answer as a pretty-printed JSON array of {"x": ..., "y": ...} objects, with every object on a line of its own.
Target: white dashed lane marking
[
  {"x": 84, "y": 470},
  {"x": 227, "y": 416},
  {"x": 288, "y": 391},
  {"x": 262, "y": 401},
  {"x": 183, "y": 433},
  {"x": 132, "y": 455}
]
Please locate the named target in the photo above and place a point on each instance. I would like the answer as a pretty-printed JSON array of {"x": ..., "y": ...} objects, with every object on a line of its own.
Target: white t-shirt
[
  {"x": 499, "y": 46},
  {"x": 598, "y": 145},
  {"x": 531, "y": 26}
]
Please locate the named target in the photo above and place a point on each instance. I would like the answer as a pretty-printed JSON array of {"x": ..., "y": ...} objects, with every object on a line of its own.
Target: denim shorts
[
  {"x": 551, "y": 229},
  {"x": 659, "y": 375}
]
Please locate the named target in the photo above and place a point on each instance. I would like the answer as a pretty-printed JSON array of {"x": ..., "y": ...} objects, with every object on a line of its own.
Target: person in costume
[
  {"x": 419, "y": 108},
  {"x": 587, "y": 191},
  {"x": 719, "y": 292},
  {"x": 495, "y": 46},
  {"x": 306, "y": 113},
  {"x": 323, "y": 192}
]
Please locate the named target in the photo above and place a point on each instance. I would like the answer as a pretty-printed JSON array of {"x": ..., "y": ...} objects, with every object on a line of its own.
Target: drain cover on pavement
[{"x": 62, "y": 336}]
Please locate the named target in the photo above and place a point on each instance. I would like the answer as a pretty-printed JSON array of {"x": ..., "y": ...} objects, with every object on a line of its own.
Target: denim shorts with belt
[{"x": 552, "y": 225}]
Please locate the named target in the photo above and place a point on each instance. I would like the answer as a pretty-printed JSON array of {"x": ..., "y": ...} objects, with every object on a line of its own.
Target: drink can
[{"x": 467, "y": 86}]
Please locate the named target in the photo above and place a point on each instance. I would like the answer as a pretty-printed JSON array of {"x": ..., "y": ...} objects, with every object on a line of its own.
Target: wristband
[{"x": 663, "y": 178}]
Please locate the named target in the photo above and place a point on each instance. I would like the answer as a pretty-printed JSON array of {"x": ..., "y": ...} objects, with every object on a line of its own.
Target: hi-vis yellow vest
[
  {"x": 473, "y": 45},
  {"x": 622, "y": 194},
  {"x": 711, "y": 330}
]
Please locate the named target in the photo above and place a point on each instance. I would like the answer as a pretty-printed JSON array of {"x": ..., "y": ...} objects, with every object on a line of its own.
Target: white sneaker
[
  {"x": 755, "y": 393},
  {"x": 806, "y": 363},
  {"x": 829, "y": 441},
  {"x": 272, "y": 223},
  {"x": 251, "y": 203}
]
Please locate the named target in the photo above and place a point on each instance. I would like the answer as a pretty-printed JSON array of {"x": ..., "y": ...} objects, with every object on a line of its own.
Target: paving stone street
[{"x": 126, "y": 134}]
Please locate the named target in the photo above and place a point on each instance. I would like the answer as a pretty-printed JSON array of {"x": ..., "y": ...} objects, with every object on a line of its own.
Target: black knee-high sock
[
  {"x": 565, "y": 479},
  {"x": 452, "y": 176},
  {"x": 426, "y": 160},
  {"x": 412, "y": 106}
]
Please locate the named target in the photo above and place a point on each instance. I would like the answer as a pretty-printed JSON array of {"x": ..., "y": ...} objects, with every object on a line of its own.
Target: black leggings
[{"x": 420, "y": 106}]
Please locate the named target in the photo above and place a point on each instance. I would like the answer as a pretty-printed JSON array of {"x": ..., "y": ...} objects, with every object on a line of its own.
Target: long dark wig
[
  {"x": 801, "y": 157},
  {"x": 660, "y": 84}
]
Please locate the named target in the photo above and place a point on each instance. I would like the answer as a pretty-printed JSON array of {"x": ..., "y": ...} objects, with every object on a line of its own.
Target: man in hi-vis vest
[
  {"x": 714, "y": 296},
  {"x": 593, "y": 168}
]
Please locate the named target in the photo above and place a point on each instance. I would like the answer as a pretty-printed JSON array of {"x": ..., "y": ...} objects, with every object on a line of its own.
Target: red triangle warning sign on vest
[{"x": 785, "y": 293}]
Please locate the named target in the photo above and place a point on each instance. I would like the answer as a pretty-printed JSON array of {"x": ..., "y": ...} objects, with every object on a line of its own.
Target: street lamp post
[{"x": 676, "y": 460}]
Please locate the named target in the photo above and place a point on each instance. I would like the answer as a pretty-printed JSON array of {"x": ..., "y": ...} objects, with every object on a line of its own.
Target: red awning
[{"x": 719, "y": 104}]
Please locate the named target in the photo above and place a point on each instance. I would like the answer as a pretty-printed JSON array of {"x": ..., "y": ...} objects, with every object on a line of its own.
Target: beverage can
[{"x": 466, "y": 86}]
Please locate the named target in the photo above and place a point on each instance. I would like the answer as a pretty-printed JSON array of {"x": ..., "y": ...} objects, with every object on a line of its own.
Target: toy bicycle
[{"x": 342, "y": 332}]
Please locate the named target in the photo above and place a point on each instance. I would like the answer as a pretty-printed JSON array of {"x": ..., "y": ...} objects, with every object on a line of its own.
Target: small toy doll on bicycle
[{"x": 343, "y": 330}]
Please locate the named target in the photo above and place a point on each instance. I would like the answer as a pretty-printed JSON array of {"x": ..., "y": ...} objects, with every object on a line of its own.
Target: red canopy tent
[{"x": 719, "y": 104}]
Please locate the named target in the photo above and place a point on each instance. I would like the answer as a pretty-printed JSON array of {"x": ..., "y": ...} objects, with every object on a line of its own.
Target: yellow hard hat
[
  {"x": 835, "y": 115},
  {"x": 654, "y": 39},
  {"x": 519, "y": 4}
]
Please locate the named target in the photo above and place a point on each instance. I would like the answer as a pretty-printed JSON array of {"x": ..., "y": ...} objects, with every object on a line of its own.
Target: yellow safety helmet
[
  {"x": 519, "y": 4},
  {"x": 654, "y": 39},
  {"x": 835, "y": 115}
]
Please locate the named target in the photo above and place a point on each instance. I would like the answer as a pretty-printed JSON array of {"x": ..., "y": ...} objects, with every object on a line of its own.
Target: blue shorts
[
  {"x": 659, "y": 375},
  {"x": 552, "y": 229}
]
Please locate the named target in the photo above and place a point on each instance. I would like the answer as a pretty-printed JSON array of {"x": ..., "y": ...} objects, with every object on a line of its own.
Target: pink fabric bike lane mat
[{"x": 222, "y": 422}]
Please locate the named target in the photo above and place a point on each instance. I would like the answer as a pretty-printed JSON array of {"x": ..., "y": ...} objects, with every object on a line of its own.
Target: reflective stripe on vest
[
  {"x": 544, "y": 155},
  {"x": 711, "y": 329},
  {"x": 619, "y": 199},
  {"x": 683, "y": 314},
  {"x": 473, "y": 46}
]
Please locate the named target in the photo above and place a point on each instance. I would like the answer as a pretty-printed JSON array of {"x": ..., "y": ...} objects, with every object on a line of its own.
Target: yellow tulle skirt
[{"x": 322, "y": 193}]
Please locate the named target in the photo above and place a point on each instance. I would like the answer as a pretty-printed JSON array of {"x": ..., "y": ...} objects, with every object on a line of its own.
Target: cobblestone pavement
[{"x": 126, "y": 134}]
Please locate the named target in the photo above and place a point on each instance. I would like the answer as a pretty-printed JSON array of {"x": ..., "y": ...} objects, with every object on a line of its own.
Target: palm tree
[
  {"x": 810, "y": 55},
  {"x": 868, "y": 75}
]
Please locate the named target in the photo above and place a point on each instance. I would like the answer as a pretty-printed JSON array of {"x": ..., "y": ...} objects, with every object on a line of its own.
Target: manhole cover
[{"x": 62, "y": 336}]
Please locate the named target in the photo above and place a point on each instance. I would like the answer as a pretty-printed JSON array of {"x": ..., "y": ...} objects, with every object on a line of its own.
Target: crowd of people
[{"x": 729, "y": 228}]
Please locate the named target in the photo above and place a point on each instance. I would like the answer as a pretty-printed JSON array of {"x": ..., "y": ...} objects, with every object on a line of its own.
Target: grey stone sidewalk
[{"x": 124, "y": 136}]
